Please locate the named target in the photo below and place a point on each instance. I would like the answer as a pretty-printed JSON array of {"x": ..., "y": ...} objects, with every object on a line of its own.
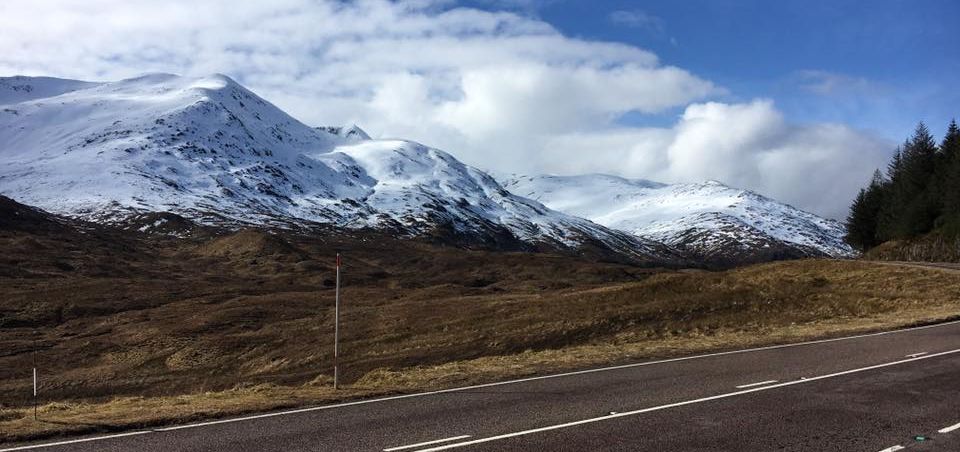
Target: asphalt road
[{"x": 869, "y": 393}]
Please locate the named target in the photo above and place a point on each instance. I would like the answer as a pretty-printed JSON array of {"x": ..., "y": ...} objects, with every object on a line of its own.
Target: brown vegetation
[
  {"x": 152, "y": 329},
  {"x": 936, "y": 246}
]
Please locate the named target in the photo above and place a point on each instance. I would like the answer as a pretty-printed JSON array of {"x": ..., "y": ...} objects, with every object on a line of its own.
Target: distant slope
[
  {"x": 709, "y": 220},
  {"x": 210, "y": 150},
  {"x": 21, "y": 89},
  {"x": 18, "y": 217}
]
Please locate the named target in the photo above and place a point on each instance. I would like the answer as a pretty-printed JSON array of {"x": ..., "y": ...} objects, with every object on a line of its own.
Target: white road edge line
[
  {"x": 684, "y": 403},
  {"x": 893, "y": 448},
  {"x": 949, "y": 429},
  {"x": 426, "y": 443},
  {"x": 74, "y": 441},
  {"x": 522, "y": 380},
  {"x": 759, "y": 383},
  {"x": 916, "y": 355}
]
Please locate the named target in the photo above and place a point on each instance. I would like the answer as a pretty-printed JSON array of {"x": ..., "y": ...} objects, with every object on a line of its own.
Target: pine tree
[
  {"x": 862, "y": 232},
  {"x": 895, "y": 167},
  {"x": 893, "y": 206},
  {"x": 949, "y": 179},
  {"x": 951, "y": 141},
  {"x": 858, "y": 229},
  {"x": 921, "y": 191},
  {"x": 914, "y": 197}
]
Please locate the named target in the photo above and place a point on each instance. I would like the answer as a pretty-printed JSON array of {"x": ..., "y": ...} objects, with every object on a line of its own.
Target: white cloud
[
  {"x": 817, "y": 167},
  {"x": 826, "y": 83},
  {"x": 528, "y": 6},
  {"x": 639, "y": 19},
  {"x": 500, "y": 90}
]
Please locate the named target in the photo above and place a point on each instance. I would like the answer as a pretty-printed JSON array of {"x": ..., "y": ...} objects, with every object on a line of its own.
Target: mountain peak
[
  {"x": 352, "y": 132},
  {"x": 355, "y": 131},
  {"x": 209, "y": 150},
  {"x": 708, "y": 219}
]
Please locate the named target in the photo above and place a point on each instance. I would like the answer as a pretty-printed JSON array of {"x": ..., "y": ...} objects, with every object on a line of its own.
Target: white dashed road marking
[
  {"x": 426, "y": 443},
  {"x": 761, "y": 383}
]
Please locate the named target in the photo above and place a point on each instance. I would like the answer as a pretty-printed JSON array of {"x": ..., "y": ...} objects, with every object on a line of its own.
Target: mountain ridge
[
  {"x": 161, "y": 148},
  {"x": 210, "y": 150},
  {"x": 709, "y": 220}
]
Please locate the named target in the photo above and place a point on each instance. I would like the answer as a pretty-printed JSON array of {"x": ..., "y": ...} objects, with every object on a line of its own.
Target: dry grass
[
  {"x": 252, "y": 347},
  {"x": 146, "y": 318},
  {"x": 126, "y": 413},
  {"x": 938, "y": 246}
]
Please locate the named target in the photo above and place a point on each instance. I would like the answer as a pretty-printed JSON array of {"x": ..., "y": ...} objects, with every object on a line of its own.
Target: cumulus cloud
[
  {"x": 751, "y": 145},
  {"x": 500, "y": 90}
]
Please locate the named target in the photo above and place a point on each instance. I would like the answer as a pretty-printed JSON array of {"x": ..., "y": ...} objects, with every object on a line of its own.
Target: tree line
[{"x": 918, "y": 193}]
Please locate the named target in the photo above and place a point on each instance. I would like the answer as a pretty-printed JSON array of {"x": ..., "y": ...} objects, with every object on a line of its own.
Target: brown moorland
[{"x": 131, "y": 329}]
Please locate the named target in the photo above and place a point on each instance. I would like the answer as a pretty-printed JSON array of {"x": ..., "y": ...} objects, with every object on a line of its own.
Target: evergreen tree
[
  {"x": 914, "y": 201},
  {"x": 862, "y": 232},
  {"x": 895, "y": 167},
  {"x": 949, "y": 171},
  {"x": 951, "y": 141},
  {"x": 858, "y": 229},
  {"x": 893, "y": 206},
  {"x": 921, "y": 191}
]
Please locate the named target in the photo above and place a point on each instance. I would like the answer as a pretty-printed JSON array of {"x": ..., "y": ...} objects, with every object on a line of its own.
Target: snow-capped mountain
[
  {"x": 210, "y": 150},
  {"x": 709, "y": 220}
]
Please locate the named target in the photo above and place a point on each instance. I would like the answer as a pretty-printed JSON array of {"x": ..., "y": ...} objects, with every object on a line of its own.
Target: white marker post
[
  {"x": 34, "y": 393},
  {"x": 336, "y": 327},
  {"x": 34, "y": 383}
]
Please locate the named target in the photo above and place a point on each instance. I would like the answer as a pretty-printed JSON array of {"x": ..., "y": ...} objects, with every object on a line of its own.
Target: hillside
[
  {"x": 156, "y": 314},
  {"x": 941, "y": 245},
  {"x": 709, "y": 221}
]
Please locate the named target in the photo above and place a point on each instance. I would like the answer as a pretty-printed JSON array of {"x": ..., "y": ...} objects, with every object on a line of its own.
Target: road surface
[{"x": 869, "y": 393}]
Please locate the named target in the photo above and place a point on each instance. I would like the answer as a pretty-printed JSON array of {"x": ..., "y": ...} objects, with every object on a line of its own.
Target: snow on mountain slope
[
  {"x": 210, "y": 150},
  {"x": 709, "y": 219},
  {"x": 20, "y": 89}
]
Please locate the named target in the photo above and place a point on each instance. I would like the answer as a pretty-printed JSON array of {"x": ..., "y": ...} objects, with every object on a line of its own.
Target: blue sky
[
  {"x": 882, "y": 64},
  {"x": 797, "y": 100}
]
